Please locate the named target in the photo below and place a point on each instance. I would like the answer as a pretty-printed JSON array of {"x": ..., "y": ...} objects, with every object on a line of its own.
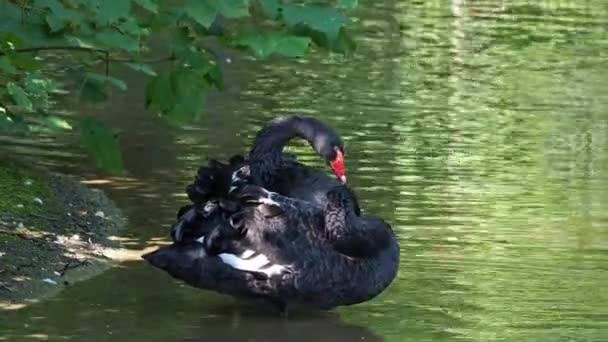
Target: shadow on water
[{"x": 478, "y": 129}]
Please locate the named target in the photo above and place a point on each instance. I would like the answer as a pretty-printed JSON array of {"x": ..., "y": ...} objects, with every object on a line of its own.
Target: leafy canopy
[{"x": 85, "y": 37}]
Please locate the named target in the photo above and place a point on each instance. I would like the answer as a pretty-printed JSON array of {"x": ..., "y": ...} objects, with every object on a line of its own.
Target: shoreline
[{"x": 54, "y": 232}]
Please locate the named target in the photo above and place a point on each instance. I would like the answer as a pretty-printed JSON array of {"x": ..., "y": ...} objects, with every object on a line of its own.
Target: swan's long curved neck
[
  {"x": 273, "y": 138},
  {"x": 267, "y": 151}
]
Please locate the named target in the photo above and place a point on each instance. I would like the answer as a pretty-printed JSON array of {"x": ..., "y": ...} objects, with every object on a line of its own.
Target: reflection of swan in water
[{"x": 247, "y": 324}]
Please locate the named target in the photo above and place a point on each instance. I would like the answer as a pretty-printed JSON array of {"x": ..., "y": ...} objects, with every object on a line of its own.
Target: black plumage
[
  {"x": 320, "y": 265},
  {"x": 271, "y": 168},
  {"x": 303, "y": 243}
]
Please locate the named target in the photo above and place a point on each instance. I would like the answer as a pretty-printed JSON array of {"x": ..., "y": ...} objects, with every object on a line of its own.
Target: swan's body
[
  {"x": 303, "y": 244},
  {"x": 290, "y": 259}
]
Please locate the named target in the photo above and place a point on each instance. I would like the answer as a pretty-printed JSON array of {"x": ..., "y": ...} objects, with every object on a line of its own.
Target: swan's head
[
  {"x": 324, "y": 139},
  {"x": 329, "y": 145}
]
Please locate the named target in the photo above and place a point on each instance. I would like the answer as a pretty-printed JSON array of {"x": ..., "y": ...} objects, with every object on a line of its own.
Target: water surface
[{"x": 478, "y": 129}]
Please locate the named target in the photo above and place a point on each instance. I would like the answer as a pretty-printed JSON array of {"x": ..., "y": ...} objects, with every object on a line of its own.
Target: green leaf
[
  {"x": 110, "y": 12},
  {"x": 6, "y": 66},
  {"x": 159, "y": 93},
  {"x": 101, "y": 144},
  {"x": 55, "y": 122},
  {"x": 149, "y": 5},
  {"x": 114, "y": 39},
  {"x": 145, "y": 68},
  {"x": 25, "y": 62},
  {"x": 59, "y": 16},
  {"x": 203, "y": 12},
  {"x": 38, "y": 34},
  {"x": 182, "y": 43},
  {"x": 347, "y": 4},
  {"x": 190, "y": 90},
  {"x": 168, "y": 16},
  {"x": 344, "y": 43},
  {"x": 20, "y": 97},
  {"x": 186, "y": 50},
  {"x": 35, "y": 83},
  {"x": 131, "y": 27},
  {"x": 38, "y": 88},
  {"x": 93, "y": 92},
  {"x": 103, "y": 79},
  {"x": 270, "y": 8},
  {"x": 94, "y": 86},
  {"x": 319, "y": 18},
  {"x": 232, "y": 8},
  {"x": 9, "y": 41},
  {"x": 55, "y": 22},
  {"x": 10, "y": 17},
  {"x": 216, "y": 77},
  {"x": 179, "y": 96},
  {"x": 264, "y": 44},
  {"x": 80, "y": 41}
]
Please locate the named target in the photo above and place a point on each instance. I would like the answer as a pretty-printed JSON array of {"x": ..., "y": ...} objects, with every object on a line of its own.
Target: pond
[{"x": 478, "y": 129}]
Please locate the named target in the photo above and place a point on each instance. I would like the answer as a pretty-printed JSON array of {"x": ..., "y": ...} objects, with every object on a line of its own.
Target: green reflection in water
[{"x": 477, "y": 128}]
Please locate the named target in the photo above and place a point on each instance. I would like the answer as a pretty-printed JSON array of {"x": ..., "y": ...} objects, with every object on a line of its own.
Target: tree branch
[
  {"x": 60, "y": 47},
  {"x": 105, "y": 54}
]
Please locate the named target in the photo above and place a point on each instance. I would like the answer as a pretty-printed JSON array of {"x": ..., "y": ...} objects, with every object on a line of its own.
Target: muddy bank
[{"x": 53, "y": 232}]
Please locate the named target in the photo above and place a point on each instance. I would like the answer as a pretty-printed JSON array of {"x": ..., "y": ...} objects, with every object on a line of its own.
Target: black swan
[
  {"x": 286, "y": 251},
  {"x": 272, "y": 169}
]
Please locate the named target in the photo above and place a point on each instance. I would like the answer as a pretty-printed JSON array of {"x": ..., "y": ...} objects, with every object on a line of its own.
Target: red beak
[{"x": 338, "y": 166}]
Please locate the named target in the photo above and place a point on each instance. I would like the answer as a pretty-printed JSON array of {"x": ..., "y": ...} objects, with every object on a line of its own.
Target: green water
[{"x": 478, "y": 129}]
